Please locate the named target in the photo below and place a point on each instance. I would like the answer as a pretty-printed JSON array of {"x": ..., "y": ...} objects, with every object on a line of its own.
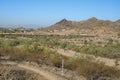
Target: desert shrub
[
  {"x": 97, "y": 70},
  {"x": 71, "y": 46},
  {"x": 111, "y": 50},
  {"x": 1, "y": 44},
  {"x": 64, "y": 45},
  {"x": 9, "y": 72},
  {"x": 30, "y": 49},
  {"x": 94, "y": 70},
  {"x": 14, "y": 42},
  {"x": 55, "y": 60},
  {"x": 46, "y": 41},
  {"x": 36, "y": 49}
]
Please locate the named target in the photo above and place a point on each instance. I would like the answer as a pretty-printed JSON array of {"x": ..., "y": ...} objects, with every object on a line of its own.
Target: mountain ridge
[{"x": 89, "y": 26}]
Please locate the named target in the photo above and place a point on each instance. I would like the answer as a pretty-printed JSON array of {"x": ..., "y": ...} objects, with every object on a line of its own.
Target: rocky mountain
[
  {"x": 63, "y": 24},
  {"x": 90, "y": 26},
  {"x": 117, "y": 23}
]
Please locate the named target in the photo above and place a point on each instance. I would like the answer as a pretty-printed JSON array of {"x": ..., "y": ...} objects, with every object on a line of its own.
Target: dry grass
[
  {"x": 8, "y": 72},
  {"x": 94, "y": 70}
]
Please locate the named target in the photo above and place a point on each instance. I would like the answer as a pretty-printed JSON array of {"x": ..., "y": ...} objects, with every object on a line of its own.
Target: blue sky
[{"x": 47, "y": 12}]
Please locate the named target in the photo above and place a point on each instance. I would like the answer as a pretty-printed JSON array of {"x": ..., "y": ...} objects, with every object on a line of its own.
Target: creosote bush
[
  {"x": 94, "y": 70},
  {"x": 27, "y": 50}
]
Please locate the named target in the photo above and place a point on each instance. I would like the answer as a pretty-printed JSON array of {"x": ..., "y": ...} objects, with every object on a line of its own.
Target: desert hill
[{"x": 90, "y": 26}]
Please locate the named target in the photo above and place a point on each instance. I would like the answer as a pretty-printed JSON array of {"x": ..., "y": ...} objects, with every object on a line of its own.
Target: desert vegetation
[
  {"x": 8, "y": 72},
  {"x": 92, "y": 70},
  {"x": 43, "y": 50}
]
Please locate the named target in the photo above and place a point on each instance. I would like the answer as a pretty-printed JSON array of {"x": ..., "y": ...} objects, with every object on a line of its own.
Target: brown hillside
[
  {"x": 90, "y": 26},
  {"x": 63, "y": 24}
]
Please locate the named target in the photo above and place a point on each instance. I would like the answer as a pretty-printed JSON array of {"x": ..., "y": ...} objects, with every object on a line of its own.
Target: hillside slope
[{"x": 90, "y": 26}]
